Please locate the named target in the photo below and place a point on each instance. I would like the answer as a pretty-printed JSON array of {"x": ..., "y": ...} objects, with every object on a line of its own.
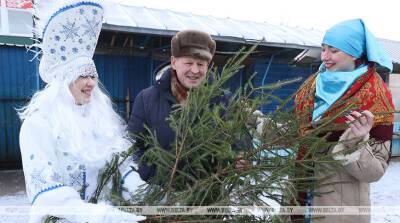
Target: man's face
[{"x": 190, "y": 71}]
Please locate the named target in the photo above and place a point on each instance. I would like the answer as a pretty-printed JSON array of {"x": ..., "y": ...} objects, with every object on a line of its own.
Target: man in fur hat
[{"x": 192, "y": 52}]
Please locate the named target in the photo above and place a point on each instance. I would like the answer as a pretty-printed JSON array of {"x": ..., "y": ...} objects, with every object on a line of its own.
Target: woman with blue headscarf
[{"x": 347, "y": 78}]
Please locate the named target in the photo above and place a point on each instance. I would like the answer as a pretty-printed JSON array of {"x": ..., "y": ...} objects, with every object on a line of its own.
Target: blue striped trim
[
  {"x": 45, "y": 190},
  {"x": 125, "y": 175},
  {"x": 65, "y": 8},
  {"x": 84, "y": 186}
]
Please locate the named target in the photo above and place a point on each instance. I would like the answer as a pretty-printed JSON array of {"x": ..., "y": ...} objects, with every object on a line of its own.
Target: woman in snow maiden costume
[
  {"x": 69, "y": 128},
  {"x": 347, "y": 76}
]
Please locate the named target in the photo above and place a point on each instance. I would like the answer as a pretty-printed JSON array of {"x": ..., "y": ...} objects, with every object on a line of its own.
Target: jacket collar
[{"x": 163, "y": 83}]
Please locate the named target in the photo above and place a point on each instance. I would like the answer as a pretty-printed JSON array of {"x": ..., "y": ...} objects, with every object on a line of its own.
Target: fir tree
[{"x": 200, "y": 170}]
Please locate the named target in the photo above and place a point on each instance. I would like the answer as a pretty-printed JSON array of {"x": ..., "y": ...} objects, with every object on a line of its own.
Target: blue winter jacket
[{"x": 152, "y": 106}]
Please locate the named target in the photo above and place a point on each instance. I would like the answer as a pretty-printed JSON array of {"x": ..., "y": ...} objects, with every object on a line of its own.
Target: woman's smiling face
[
  {"x": 81, "y": 89},
  {"x": 336, "y": 60}
]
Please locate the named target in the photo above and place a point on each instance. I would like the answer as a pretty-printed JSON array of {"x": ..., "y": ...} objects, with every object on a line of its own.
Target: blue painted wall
[
  {"x": 396, "y": 140},
  {"x": 278, "y": 71},
  {"x": 118, "y": 74},
  {"x": 18, "y": 81}
]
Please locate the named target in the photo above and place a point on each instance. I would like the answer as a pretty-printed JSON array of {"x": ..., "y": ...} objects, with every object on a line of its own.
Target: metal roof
[
  {"x": 165, "y": 22},
  {"x": 393, "y": 49},
  {"x": 139, "y": 19}
]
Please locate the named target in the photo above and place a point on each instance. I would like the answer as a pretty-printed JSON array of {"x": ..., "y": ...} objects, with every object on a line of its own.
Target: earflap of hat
[
  {"x": 175, "y": 46},
  {"x": 71, "y": 32},
  {"x": 212, "y": 47}
]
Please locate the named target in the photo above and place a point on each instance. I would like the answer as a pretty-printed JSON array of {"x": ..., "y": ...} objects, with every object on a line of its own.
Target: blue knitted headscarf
[{"x": 353, "y": 38}]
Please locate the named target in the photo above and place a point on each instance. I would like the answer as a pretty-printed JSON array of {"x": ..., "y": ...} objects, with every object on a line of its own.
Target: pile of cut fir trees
[{"x": 200, "y": 170}]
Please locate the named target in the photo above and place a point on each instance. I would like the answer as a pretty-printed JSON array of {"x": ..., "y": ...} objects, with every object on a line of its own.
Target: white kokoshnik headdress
[{"x": 69, "y": 38}]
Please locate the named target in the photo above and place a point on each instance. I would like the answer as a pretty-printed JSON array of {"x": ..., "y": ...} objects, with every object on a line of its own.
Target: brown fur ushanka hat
[{"x": 193, "y": 43}]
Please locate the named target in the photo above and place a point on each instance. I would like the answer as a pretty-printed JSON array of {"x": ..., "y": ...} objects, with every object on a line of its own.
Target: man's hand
[{"x": 240, "y": 163}]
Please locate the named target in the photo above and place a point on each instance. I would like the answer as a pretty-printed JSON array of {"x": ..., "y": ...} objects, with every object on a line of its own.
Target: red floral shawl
[{"x": 369, "y": 92}]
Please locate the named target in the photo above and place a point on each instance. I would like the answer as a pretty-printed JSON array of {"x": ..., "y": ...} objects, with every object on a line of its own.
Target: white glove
[{"x": 131, "y": 182}]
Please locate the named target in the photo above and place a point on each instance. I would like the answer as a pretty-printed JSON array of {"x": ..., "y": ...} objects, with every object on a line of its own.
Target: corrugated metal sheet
[
  {"x": 396, "y": 140},
  {"x": 276, "y": 72},
  {"x": 396, "y": 147},
  {"x": 122, "y": 73},
  {"x": 396, "y": 127},
  {"x": 18, "y": 81}
]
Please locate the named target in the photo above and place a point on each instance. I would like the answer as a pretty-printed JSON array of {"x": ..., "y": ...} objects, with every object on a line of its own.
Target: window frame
[{"x": 5, "y": 24}]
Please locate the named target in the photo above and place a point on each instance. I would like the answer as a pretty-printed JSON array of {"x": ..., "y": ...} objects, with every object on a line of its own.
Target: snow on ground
[
  {"x": 385, "y": 192},
  {"x": 18, "y": 199}
]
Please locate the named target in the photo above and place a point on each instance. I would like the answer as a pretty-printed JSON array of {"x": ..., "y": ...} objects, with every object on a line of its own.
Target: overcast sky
[{"x": 382, "y": 17}]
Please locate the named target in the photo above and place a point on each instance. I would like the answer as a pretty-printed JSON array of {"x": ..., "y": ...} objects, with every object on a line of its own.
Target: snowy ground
[
  {"x": 18, "y": 199},
  {"x": 385, "y": 192}
]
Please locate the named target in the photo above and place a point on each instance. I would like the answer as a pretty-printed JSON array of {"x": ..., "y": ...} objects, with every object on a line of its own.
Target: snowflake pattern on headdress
[
  {"x": 70, "y": 30},
  {"x": 91, "y": 27},
  {"x": 70, "y": 33}
]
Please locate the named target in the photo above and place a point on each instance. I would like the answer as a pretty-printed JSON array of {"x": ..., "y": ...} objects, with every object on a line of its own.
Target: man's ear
[{"x": 173, "y": 61}]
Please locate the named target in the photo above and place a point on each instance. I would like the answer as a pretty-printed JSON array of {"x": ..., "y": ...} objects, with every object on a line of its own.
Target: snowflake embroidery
[
  {"x": 81, "y": 11},
  {"x": 70, "y": 30},
  {"x": 56, "y": 177},
  {"x": 69, "y": 167},
  {"x": 37, "y": 178},
  {"x": 82, "y": 167},
  {"x": 91, "y": 27},
  {"x": 75, "y": 179},
  {"x": 94, "y": 11}
]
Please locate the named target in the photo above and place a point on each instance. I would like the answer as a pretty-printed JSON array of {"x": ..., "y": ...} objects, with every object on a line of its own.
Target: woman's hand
[{"x": 359, "y": 126}]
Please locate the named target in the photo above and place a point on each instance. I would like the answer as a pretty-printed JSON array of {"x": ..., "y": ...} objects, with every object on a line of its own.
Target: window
[
  {"x": 20, "y": 22},
  {"x": 16, "y": 18}
]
